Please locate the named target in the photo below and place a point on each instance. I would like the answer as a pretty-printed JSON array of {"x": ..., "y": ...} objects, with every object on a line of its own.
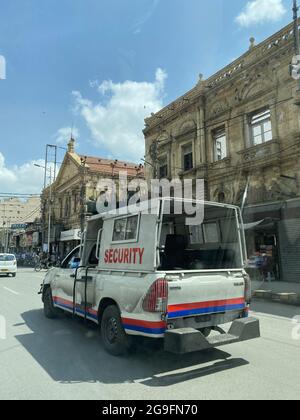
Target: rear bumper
[
  {"x": 8, "y": 271},
  {"x": 188, "y": 340}
]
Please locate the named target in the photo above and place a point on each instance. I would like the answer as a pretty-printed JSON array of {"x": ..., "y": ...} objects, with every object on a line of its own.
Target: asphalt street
[{"x": 64, "y": 358}]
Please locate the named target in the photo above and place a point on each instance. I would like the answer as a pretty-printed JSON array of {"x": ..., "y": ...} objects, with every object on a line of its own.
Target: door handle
[{"x": 72, "y": 276}]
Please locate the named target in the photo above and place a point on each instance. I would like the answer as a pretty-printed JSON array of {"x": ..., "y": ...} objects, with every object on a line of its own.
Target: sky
[{"x": 99, "y": 67}]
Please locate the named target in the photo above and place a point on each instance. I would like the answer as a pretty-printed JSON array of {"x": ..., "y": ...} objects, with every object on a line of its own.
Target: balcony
[{"x": 262, "y": 155}]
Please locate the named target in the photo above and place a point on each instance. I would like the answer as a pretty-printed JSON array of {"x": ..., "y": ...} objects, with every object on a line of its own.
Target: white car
[{"x": 8, "y": 264}]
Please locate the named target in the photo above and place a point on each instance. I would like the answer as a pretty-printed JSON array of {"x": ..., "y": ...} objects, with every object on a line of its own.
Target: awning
[
  {"x": 259, "y": 212},
  {"x": 266, "y": 224},
  {"x": 70, "y": 235},
  {"x": 248, "y": 226}
]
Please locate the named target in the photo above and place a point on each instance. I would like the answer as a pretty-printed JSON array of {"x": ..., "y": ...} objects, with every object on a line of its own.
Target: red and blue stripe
[
  {"x": 67, "y": 304},
  {"x": 202, "y": 308},
  {"x": 147, "y": 327}
]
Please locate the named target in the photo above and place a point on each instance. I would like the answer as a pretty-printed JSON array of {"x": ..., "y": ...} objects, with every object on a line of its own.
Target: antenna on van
[{"x": 245, "y": 196}]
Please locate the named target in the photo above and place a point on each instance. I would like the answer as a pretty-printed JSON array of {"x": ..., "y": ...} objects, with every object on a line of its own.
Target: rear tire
[
  {"x": 14, "y": 274},
  {"x": 115, "y": 340},
  {"x": 38, "y": 268},
  {"x": 49, "y": 310}
]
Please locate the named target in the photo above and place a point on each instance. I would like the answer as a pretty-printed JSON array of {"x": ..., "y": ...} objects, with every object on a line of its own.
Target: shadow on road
[
  {"x": 71, "y": 352},
  {"x": 274, "y": 308}
]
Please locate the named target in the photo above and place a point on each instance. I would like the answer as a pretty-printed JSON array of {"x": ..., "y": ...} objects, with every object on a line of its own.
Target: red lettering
[
  {"x": 115, "y": 256},
  {"x": 121, "y": 256},
  {"x": 135, "y": 250},
  {"x": 126, "y": 256},
  {"x": 141, "y": 253}
]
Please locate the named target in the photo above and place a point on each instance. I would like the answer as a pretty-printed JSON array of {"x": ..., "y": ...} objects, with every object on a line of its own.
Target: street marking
[{"x": 11, "y": 291}]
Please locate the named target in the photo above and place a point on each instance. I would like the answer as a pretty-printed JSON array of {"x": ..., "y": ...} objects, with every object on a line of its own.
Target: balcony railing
[{"x": 261, "y": 153}]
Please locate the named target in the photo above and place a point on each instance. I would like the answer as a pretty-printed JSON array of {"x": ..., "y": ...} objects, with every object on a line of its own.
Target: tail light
[
  {"x": 248, "y": 290},
  {"x": 156, "y": 299}
]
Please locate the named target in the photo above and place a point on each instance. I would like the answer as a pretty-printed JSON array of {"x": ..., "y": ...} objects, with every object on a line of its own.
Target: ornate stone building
[
  {"x": 74, "y": 194},
  {"x": 239, "y": 130}
]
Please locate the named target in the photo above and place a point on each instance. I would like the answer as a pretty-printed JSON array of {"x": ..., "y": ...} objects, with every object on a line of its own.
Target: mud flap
[{"x": 188, "y": 340}]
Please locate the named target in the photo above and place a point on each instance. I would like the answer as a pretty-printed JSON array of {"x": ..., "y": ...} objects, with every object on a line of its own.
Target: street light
[{"x": 50, "y": 204}]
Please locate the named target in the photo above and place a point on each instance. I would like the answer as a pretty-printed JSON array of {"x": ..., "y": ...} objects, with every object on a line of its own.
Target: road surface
[{"x": 64, "y": 358}]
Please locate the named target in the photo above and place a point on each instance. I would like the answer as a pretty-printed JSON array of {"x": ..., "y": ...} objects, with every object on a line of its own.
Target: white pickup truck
[{"x": 140, "y": 273}]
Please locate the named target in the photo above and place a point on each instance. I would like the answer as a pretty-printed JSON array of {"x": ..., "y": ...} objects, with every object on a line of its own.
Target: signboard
[
  {"x": 70, "y": 235},
  {"x": 35, "y": 238},
  {"x": 19, "y": 226}
]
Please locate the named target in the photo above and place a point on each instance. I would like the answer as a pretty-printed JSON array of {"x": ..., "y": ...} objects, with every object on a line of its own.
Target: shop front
[
  {"x": 69, "y": 240},
  {"x": 273, "y": 240}
]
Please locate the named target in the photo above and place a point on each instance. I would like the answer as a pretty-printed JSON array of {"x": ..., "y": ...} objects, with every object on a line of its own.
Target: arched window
[{"x": 221, "y": 197}]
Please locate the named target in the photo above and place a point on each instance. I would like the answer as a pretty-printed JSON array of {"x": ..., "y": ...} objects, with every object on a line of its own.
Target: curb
[{"x": 284, "y": 298}]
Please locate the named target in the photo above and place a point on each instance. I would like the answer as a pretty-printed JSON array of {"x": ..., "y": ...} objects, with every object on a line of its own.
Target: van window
[
  {"x": 93, "y": 260},
  {"x": 126, "y": 229},
  {"x": 72, "y": 260},
  {"x": 211, "y": 233},
  {"x": 212, "y": 245}
]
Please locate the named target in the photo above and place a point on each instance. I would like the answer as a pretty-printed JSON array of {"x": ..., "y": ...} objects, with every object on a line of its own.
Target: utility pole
[
  {"x": 50, "y": 211},
  {"x": 50, "y": 204},
  {"x": 296, "y": 34},
  {"x": 50, "y": 159},
  {"x": 83, "y": 196},
  {"x": 7, "y": 235},
  {"x": 296, "y": 28}
]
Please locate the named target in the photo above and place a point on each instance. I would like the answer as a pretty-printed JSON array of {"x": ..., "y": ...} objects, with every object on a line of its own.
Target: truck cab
[{"x": 144, "y": 271}]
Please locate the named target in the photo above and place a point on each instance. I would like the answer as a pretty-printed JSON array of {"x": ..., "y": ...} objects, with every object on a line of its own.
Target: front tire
[
  {"x": 49, "y": 310},
  {"x": 115, "y": 340}
]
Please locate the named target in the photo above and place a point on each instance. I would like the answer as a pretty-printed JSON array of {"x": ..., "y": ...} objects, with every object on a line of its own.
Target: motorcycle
[{"x": 43, "y": 265}]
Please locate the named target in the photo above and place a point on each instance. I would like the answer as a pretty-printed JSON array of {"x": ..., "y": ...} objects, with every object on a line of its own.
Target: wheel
[
  {"x": 38, "y": 268},
  {"x": 49, "y": 310},
  {"x": 14, "y": 274},
  {"x": 115, "y": 340}
]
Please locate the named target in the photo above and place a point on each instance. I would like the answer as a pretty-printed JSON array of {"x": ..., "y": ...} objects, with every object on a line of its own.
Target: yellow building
[{"x": 74, "y": 194}]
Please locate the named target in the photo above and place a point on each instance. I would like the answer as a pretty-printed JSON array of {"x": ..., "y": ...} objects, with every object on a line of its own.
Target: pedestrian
[{"x": 266, "y": 267}]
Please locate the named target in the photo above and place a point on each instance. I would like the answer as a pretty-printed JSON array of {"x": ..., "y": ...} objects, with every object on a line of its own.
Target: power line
[
  {"x": 36, "y": 210},
  {"x": 12, "y": 194},
  {"x": 215, "y": 125},
  {"x": 229, "y": 126}
]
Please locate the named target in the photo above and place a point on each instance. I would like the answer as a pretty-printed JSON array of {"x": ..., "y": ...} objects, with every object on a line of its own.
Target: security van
[{"x": 152, "y": 274}]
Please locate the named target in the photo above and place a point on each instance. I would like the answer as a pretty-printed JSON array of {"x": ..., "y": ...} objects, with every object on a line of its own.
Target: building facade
[
  {"x": 239, "y": 130},
  {"x": 15, "y": 216},
  {"x": 72, "y": 198}
]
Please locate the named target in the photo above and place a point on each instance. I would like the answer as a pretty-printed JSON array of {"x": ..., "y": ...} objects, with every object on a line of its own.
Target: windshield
[{"x": 7, "y": 258}]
